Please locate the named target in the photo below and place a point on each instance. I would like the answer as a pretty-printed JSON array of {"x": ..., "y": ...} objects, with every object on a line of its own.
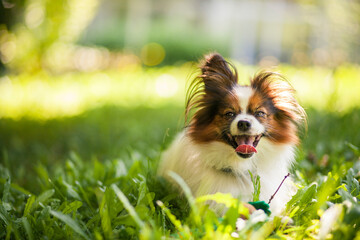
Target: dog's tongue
[
  {"x": 245, "y": 144},
  {"x": 246, "y": 149}
]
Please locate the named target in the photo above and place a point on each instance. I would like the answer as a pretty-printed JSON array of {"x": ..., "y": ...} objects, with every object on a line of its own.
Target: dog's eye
[
  {"x": 260, "y": 114},
  {"x": 229, "y": 114}
]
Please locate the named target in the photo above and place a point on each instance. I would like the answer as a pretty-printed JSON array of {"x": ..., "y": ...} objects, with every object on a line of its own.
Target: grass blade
[
  {"x": 105, "y": 216},
  {"x": 72, "y": 207},
  {"x": 4, "y": 216},
  {"x": 29, "y": 205},
  {"x": 41, "y": 199},
  {"x": 27, "y": 227},
  {"x": 6, "y": 191},
  {"x": 71, "y": 223},
  {"x": 256, "y": 183},
  {"x": 188, "y": 195},
  {"x": 128, "y": 206},
  {"x": 174, "y": 220}
]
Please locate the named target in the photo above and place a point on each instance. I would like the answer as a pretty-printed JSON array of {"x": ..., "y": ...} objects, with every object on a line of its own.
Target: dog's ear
[
  {"x": 217, "y": 73},
  {"x": 279, "y": 90},
  {"x": 209, "y": 88}
]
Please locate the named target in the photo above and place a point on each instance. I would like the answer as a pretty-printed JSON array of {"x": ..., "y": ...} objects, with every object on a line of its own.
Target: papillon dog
[{"x": 234, "y": 130}]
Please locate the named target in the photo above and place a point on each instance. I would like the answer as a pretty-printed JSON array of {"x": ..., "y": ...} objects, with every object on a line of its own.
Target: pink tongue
[{"x": 246, "y": 149}]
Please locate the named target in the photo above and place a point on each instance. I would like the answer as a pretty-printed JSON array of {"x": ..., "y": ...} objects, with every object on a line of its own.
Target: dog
[{"x": 236, "y": 129}]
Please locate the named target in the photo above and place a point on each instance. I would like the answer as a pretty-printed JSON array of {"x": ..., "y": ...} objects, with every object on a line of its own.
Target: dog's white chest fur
[{"x": 215, "y": 167}]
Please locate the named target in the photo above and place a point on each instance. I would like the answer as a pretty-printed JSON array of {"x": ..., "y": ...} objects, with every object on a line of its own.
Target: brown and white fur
[{"x": 263, "y": 115}]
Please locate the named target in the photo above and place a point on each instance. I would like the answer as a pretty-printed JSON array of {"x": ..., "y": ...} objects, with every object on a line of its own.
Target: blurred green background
[{"x": 107, "y": 79}]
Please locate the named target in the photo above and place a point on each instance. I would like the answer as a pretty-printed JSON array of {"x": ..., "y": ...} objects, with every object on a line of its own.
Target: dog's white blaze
[{"x": 243, "y": 93}]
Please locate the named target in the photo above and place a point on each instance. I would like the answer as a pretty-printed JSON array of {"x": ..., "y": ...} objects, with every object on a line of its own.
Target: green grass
[{"x": 90, "y": 173}]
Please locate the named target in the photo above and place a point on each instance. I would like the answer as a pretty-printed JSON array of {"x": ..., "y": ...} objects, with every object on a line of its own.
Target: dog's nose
[{"x": 244, "y": 125}]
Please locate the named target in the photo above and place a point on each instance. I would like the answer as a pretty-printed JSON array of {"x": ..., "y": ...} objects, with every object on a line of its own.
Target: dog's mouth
[{"x": 244, "y": 145}]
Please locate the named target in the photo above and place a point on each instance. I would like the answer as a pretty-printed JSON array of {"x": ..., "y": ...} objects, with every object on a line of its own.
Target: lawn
[{"x": 79, "y": 154}]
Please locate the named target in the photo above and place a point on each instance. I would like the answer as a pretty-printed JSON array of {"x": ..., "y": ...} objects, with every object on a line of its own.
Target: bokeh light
[
  {"x": 34, "y": 15},
  {"x": 152, "y": 54},
  {"x": 7, "y": 50}
]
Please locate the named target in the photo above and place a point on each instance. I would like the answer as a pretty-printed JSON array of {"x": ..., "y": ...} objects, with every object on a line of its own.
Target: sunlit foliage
[{"x": 44, "y": 96}]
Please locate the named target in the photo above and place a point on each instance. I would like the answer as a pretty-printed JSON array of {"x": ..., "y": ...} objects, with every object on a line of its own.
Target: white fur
[
  {"x": 200, "y": 166},
  {"x": 244, "y": 93}
]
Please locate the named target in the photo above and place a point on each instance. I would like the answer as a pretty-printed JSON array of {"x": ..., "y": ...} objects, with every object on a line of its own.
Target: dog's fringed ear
[
  {"x": 216, "y": 79},
  {"x": 217, "y": 72},
  {"x": 279, "y": 90}
]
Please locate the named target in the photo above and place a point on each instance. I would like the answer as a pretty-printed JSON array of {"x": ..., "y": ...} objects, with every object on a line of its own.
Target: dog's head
[{"x": 241, "y": 116}]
